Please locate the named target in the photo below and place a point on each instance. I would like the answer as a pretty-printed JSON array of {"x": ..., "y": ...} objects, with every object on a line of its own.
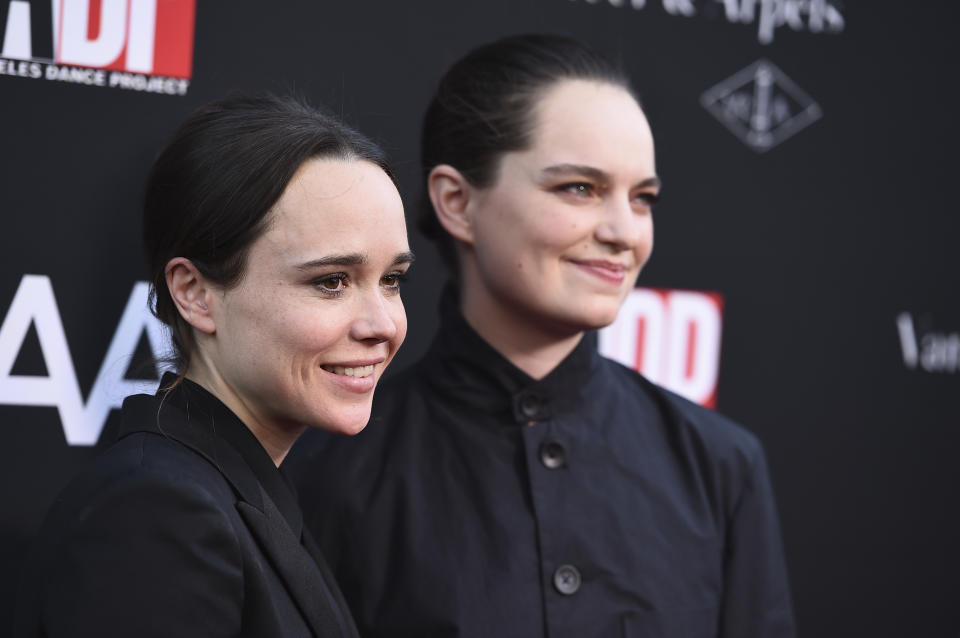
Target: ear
[
  {"x": 450, "y": 194},
  {"x": 191, "y": 293}
]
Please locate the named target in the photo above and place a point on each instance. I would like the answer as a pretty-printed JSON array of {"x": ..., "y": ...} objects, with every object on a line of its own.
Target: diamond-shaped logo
[{"x": 761, "y": 106}]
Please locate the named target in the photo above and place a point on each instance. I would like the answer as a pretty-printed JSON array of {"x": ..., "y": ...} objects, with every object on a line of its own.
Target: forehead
[
  {"x": 340, "y": 205},
  {"x": 594, "y": 123}
]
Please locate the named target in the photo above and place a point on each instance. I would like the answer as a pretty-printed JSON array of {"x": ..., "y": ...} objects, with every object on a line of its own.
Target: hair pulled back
[
  {"x": 211, "y": 188},
  {"x": 484, "y": 107}
]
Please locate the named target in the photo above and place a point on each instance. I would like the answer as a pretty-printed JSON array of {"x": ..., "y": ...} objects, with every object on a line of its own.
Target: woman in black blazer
[{"x": 276, "y": 242}]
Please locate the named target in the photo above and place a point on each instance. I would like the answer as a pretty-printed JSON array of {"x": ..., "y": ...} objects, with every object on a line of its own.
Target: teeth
[{"x": 361, "y": 371}]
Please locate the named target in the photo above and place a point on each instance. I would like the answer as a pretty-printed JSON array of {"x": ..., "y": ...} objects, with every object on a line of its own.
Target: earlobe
[
  {"x": 190, "y": 292},
  {"x": 450, "y": 194}
]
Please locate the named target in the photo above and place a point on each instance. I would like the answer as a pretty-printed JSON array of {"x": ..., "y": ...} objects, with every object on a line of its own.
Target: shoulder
[
  {"x": 146, "y": 522},
  {"x": 149, "y": 481},
  {"x": 716, "y": 434}
]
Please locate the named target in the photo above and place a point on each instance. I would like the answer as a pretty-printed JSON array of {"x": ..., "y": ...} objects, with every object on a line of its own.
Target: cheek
[
  {"x": 564, "y": 237},
  {"x": 304, "y": 330},
  {"x": 399, "y": 317},
  {"x": 251, "y": 329},
  {"x": 515, "y": 228},
  {"x": 547, "y": 231},
  {"x": 645, "y": 248}
]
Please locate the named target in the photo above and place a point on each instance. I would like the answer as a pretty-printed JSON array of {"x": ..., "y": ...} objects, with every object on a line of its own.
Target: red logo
[
  {"x": 672, "y": 337},
  {"x": 148, "y": 37}
]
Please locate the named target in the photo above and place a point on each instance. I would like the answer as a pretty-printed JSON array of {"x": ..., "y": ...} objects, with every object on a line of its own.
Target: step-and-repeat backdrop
[{"x": 805, "y": 279}]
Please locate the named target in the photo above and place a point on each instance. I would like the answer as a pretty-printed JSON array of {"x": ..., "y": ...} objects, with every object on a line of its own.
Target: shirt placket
[{"x": 550, "y": 460}]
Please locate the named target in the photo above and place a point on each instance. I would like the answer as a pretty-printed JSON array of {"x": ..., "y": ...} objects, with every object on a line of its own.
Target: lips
[
  {"x": 608, "y": 271},
  {"x": 353, "y": 376},
  {"x": 350, "y": 371}
]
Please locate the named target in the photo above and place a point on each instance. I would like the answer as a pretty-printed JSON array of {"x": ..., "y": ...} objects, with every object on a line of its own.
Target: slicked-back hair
[
  {"x": 484, "y": 107},
  {"x": 212, "y": 186}
]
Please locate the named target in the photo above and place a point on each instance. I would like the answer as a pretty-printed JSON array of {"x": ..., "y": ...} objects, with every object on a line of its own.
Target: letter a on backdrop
[{"x": 34, "y": 302}]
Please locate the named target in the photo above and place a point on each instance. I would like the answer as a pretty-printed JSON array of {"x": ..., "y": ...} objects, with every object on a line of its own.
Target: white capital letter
[
  {"x": 143, "y": 26},
  {"x": 34, "y": 302},
  {"x": 111, "y": 387},
  {"x": 75, "y": 48},
  {"x": 635, "y": 339},
  {"x": 908, "y": 340},
  {"x": 17, "y": 44},
  {"x": 694, "y": 345}
]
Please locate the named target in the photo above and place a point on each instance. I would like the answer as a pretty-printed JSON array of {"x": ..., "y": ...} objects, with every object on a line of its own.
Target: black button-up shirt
[{"x": 481, "y": 502}]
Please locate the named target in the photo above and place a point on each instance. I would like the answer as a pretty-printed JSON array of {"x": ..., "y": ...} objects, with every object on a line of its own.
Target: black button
[
  {"x": 566, "y": 579},
  {"x": 553, "y": 455},
  {"x": 530, "y": 406}
]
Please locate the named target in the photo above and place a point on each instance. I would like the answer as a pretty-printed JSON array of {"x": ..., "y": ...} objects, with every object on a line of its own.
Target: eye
[
  {"x": 577, "y": 189},
  {"x": 392, "y": 280},
  {"x": 647, "y": 199},
  {"x": 331, "y": 284}
]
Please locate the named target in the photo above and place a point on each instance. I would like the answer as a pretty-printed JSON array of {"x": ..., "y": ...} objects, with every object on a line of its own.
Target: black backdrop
[{"x": 834, "y": 250}]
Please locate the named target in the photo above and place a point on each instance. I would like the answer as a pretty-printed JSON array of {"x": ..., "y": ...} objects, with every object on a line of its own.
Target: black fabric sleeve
[{"x": 756, "y": 602}]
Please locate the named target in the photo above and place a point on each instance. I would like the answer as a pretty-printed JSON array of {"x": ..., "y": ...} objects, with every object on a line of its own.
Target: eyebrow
[
  {"x": 404, "y": 258},
  {"x": 351, "y": 259},
  {"x": 593, "y": 173}
]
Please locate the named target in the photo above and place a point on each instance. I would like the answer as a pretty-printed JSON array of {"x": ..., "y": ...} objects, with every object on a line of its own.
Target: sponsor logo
[
  {"x": 140, "y": 45},
  {"x": 812, "y": 16},
  {"x": 761, "y": 106},
  {"x": 34, "y": 303},
  {"x": 927, "y": 349},
  {"x": 672, "y": 337}
]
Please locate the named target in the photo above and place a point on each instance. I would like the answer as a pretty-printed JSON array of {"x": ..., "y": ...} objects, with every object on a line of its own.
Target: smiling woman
[
  {"x": 303, "y": 336},
  {"x": 276, "y": 241}
]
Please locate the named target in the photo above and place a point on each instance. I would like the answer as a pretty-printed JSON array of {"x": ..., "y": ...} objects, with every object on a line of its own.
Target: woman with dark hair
[
  {"x": 276, "y": 241},
  {"x": 514, "y": 482}
]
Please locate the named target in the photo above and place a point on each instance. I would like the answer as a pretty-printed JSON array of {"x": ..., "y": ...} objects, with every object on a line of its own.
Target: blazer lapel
[
  {"x": 314, "y": 549},
  {"x": 304, "y": 579},
  {"x": 303, "y": 571}
]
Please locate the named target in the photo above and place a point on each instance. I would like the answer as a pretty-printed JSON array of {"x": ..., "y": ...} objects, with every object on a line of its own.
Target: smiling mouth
[
  {"x": 612, "y": 273},
  {"x": 359, "y": 371},
  {"x": 601, "y": 264}
]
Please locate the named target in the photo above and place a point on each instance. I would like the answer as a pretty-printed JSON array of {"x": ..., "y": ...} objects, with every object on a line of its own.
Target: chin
[
  {"x": 346, "y": 422},
  {"x": 353, "y": 428},
  {"x": 599, "y": 322},
  {"x": 599, "y": 315},
  {"x": 347, "y": 426},
  {"x": 570, "y": 325}
]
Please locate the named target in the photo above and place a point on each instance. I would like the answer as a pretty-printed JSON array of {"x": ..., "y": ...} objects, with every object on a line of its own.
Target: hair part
[
  {"x": 210, "y": 191},
  {"x": 484, "y": 107}
]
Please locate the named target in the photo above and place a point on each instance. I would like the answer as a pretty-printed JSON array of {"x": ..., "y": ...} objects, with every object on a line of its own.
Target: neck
[
  {"x": 275, "y": 439},
  {"x": 527, "y": 342}
]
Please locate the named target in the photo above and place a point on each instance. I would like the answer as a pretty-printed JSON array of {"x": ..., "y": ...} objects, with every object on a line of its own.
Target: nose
[
  {"x": 377, "y": 318},
  {"x": 622, "y": 227}
]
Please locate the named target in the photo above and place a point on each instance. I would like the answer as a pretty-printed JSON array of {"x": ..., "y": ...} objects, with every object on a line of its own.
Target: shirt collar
[
  {"x": 192, "y": 398},
  {"x": 471, "y": 371}
]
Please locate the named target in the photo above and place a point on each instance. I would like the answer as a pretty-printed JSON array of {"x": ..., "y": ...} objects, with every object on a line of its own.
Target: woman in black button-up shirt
[{"x": 514, "y": 482}]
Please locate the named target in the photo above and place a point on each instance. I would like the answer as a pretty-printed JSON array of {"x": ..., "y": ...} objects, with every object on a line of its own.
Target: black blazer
[{"x": 182, "y": 528}]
